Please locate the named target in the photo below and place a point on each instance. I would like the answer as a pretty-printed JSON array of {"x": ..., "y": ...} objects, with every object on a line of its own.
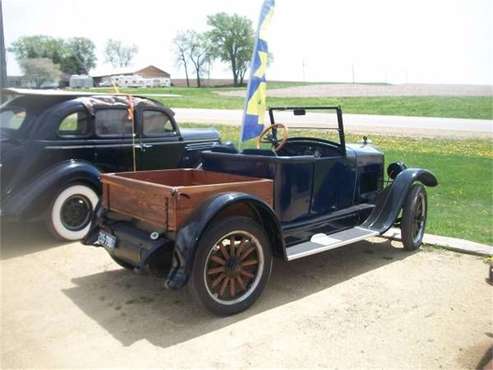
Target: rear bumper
[{"x": 133, "y": 245}]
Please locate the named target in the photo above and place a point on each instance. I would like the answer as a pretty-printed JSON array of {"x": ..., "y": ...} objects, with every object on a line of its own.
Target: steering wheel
[{"x": 264, "y": 138}]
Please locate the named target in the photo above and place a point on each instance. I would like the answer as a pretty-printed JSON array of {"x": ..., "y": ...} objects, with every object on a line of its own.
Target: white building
[
  {"x": 150, "y": 76},
  {"x": 135, "y": 81}
]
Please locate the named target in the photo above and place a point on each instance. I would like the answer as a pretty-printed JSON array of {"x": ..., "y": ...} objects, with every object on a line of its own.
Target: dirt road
[
  {"x": 343, "y": 90},
  {"x": 368, "y": 305}
]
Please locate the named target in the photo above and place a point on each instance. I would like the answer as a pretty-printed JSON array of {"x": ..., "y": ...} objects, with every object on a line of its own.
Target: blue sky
[{"x": 415, "y": 41}]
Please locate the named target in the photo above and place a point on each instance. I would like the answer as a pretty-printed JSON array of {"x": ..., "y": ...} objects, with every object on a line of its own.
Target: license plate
[{"x": 107, "y": 240}]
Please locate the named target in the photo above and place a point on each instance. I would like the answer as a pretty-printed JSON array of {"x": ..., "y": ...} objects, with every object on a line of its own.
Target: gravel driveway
[
  {"x": 344, "y": 90},
  {"x": 368, "y": 305}
]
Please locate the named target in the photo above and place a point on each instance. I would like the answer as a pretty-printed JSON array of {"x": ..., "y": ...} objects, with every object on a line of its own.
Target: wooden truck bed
[{"x": 165, "y": 198}]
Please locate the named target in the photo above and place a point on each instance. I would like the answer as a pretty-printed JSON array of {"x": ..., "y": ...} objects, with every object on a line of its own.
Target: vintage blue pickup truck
[{"x": 217, "y": 228}]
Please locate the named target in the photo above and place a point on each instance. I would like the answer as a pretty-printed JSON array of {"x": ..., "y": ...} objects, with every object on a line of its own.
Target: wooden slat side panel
[
  {"x": 145, "y": 202},
  {"x": 170, "y": 206}
]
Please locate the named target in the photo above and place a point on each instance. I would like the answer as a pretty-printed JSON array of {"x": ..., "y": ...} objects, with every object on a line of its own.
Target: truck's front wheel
[
  {"x": 232, "y": 265},
  {"x": 413, "y": 220}
]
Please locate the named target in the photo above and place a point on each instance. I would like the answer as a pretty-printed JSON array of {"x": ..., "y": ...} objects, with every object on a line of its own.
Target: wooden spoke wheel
[{"x": 232, "y": 265}]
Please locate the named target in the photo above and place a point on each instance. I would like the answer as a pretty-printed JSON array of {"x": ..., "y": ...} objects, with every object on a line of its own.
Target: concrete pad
[{"x": 369, "y": 305}]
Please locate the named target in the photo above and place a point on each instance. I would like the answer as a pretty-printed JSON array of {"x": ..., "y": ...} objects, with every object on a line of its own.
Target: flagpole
[
  {"x": 3, "y": 63},
  {"x": 250, "y": 74}
]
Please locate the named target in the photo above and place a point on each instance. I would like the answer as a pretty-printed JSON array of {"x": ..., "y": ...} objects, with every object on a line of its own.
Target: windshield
[
  {"x": 316, "y": 122},
  {"x": 12, "y": 118}
]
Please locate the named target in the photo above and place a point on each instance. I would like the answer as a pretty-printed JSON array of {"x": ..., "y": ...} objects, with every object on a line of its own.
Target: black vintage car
[{"x": 54, "y": 145}]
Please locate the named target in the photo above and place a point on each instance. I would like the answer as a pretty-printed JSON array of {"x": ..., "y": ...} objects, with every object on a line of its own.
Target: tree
[
  {"x": 74, "y": 56},
  {"x": 199, "y": 53},
  {"x": 119, "y": 54},
  {"x": 233, "y": 38},
  {"x": 39, "y": 46},
  {"x": 80, "y": 56},
  {"x": 193, "y": 48},
  {"x": 181, "y": 52},
  {"x": 40, "y": 70}
]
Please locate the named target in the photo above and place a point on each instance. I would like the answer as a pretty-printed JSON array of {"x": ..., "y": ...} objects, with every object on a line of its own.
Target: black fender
[
  {"x": 187, "y": 238},
  {"x": 392, "y": 198},
  {"x": 34, "y": 196}
]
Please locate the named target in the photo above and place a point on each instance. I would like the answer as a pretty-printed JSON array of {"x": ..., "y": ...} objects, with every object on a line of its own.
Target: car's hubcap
[
  {"x": 419, "y": 218},
  {"x": 76, "y": 212},
  {"x": 233, "y": 267}
]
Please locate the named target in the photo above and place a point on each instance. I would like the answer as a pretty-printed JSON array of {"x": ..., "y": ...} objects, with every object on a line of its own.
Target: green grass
[
  {"x": 462, "y": 205},
  {"x": 428, "y": 106}
]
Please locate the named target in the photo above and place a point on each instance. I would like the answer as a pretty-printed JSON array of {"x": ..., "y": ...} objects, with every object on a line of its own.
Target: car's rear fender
[
  {"x": 392, "y": 198},
  {"x": 187, "y": 238},
  {"x": 30, "y": 200}
]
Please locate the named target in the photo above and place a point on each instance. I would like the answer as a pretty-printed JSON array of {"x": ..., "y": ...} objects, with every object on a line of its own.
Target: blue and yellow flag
[{"x": 255, "y": 104}]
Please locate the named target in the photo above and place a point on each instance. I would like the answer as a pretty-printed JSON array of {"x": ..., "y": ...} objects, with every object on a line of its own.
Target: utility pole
[
  {"x": 3, "y": 64},
  {"x": 352, "y": 71}
]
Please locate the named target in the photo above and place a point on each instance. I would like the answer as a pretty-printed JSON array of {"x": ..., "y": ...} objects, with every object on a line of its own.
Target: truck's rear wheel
[
  {"x": 414, "y": 214},
  {"x": 232, "y": 266},
  {"x": 70, "y": 214}
]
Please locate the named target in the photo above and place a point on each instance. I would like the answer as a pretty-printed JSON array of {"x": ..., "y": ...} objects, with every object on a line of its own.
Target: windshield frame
[{"x": 337, "y": 109}]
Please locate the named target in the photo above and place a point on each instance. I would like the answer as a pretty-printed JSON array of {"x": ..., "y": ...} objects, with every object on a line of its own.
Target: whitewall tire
[{"x": 71, "y": 212}]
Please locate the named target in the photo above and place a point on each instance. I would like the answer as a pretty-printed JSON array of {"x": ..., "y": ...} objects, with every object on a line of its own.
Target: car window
[
  {"x": 12, "y": 118},
  {"x": 75, "y": 124},
  {"x": 113, "y": 122},
  {"x": 155, "y": 123}
]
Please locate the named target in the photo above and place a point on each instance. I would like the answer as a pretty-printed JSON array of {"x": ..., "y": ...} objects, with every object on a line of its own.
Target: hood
[
  {"x": 205, "y": 134},
  {"x": 365, "y": 154}
]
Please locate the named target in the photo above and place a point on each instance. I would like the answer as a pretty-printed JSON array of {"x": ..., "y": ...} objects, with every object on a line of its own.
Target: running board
[{"x": 322, "y": 242}]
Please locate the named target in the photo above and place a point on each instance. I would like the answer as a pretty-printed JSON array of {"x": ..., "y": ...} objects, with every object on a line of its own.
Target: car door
[
  {"x": 160, "y": 145},
  {"x": 52, "y": 142},
  {"x": 333, "y": 184},
  {"x": 73, "y": 138},
  {"x": 114, "y": 144}
]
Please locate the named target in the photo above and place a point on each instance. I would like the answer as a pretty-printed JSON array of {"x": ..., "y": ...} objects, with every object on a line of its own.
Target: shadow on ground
[
  {"x": 19, "y": 239},
  {"x": 133, "y": 307}
]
